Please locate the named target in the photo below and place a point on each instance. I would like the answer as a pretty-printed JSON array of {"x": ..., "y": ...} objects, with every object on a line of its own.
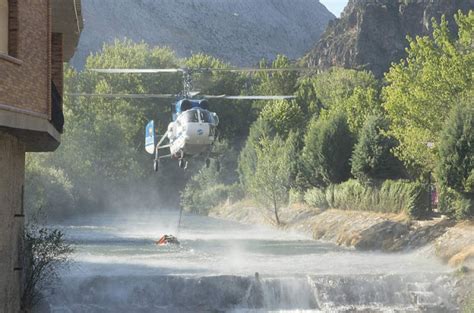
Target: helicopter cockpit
[{"x": 198, "y": 115}]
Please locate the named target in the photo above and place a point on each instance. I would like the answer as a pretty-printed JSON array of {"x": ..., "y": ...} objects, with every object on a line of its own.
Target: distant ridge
[
  {"x": 238, "y": 31},
  {"x": 371, "y": 34}
]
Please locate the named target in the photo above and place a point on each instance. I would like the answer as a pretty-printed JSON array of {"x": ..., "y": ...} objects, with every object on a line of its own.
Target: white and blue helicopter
[{"x": 193, "y": 129}]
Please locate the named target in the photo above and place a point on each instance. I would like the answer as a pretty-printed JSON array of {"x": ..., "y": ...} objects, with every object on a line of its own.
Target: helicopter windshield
[
  {"x": 205, "y": 116},
  {"x": 190, "y": 116}
]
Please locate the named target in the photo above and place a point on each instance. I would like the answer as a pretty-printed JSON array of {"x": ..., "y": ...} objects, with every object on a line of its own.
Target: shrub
[
  {"x": 202, "y": 200},
  {"x": 392, "y": 197},
  {"x": 446, "y": 199},
  {"x": 47, "y": 253},
  {"x": 464, "y": 208},
  {"x": 296, "y": 196},
  {"x": 327, "y": 151},
  {"x": 315, "y": 197}
]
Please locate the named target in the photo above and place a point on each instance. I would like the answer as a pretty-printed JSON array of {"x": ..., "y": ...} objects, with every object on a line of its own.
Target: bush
[
  {"x": 296, "y": 196},
  {"x": 392, "y": 197},
  {"x": 315, "y": 197},
  {"x": 372, "y": 158},
  {"x": 47, "y": 253},
  {"x": 202, "y": 200},
  {"x": 464, "y": 208},
  {"x": 327, "y": 151}
]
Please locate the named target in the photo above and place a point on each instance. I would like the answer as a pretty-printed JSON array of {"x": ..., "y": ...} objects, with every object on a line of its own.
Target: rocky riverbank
[{"x": 452, "y": 242}]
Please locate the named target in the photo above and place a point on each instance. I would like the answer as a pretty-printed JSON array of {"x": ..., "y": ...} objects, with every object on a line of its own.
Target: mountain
[
  {"x": 238, "y": 31},
  {"x": 371, "y": 34}
]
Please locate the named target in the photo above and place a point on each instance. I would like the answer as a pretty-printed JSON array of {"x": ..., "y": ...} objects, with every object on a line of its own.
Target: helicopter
[{"x": 193, "y": 129}]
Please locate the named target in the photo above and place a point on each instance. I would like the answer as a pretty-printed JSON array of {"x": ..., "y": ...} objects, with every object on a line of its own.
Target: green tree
[
  {"x": 338, "y": 84},
  {"x": 372, "y": 159},
  {"x": 277, "y": 83},
  {"x": 455, "y": 170},
  {"x": 284, "y": 116},
  {"x": 423, "y": 88},
  {"x": 327, "y": 151},
  {"x": 270, "y": 183},
  {"x": 307, "y": 97},
  {"x": 354, "y": 93},
  {"x": 248, "y": 156}
]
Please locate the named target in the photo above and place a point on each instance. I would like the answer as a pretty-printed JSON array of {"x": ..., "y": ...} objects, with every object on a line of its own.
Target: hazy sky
[{"x": 335, "y": 6}]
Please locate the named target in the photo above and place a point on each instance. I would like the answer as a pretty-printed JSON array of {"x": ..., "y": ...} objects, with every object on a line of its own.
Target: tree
[
  {"x": 283, "y": 116},
  {"x": 422, "y": 89},
  {"x": 248, "y": 155},
  {"x": 307, "y": 97},
  {"x": 270, "y": 183},
  {"x": 327, "y": 151},
  {"x": 277, "y": 83},
  {"x": 354, "y": 93},
  {"x": 372, "y": 159},
  {"x": 455, "y": 170},
  {"x": 338, "y": 84}
]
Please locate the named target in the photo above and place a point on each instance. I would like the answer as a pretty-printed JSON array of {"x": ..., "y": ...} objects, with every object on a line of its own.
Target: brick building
[{"x": 36, "y": 37}]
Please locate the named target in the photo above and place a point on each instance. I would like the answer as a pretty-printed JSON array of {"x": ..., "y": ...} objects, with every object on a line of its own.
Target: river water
[{"x": 119, "y": 268}]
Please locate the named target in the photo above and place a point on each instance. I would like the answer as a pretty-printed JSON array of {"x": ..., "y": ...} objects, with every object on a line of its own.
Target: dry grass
[{"x": 462, "y": 257}]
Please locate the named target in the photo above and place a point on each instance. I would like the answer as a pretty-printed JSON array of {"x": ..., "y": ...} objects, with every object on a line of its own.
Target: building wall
[
  {"x": 25, "y": 79},
  {"x": 57, "y": 61},
  {"x": 12, "y": 167}
]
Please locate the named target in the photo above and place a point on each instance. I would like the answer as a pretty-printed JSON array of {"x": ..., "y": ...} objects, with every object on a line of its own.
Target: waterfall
[{"x": 320, "y": 293}]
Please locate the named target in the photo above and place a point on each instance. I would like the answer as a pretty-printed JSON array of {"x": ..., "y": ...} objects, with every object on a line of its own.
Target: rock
[
  {"x": 240, "y": 32},
  {"x": 371, "y": 34}
]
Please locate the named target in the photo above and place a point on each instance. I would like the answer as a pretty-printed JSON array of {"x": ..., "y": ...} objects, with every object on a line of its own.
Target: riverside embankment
[{"x": 452, "y": 242}]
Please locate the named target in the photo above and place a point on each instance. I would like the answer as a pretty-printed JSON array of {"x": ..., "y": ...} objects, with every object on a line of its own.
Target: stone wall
[{"x": 12, "y": 169}]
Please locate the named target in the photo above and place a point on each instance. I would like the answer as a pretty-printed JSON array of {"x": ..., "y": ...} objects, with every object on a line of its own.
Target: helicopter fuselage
[{"x": 191, "y": 134}]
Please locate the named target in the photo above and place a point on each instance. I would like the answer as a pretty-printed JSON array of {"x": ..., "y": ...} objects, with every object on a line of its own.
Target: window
[
  {"x": 205, "y": 116},
  {"x": 4, "y": 30}
]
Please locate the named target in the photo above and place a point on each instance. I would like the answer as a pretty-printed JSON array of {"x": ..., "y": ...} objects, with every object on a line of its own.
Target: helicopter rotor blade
[
  {"x": 249, "y": 97},
  {"x": 122, "y": 95},
  {"x": 202, "y": 70},
  {"x": 256, "y": 70},
  {"x": 137, "y": 71}
]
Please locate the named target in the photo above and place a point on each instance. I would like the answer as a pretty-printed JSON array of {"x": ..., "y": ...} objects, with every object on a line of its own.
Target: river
[{"x": 118, "y": 268}]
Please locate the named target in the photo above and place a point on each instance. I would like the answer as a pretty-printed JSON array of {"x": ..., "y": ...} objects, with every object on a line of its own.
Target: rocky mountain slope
[
  {"x": 372, "y": 33},
  {"x": 240, "y": 32}
]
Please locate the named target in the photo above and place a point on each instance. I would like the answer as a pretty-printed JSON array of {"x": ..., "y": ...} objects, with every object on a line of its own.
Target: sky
[{"x": 335, "y": 6}]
